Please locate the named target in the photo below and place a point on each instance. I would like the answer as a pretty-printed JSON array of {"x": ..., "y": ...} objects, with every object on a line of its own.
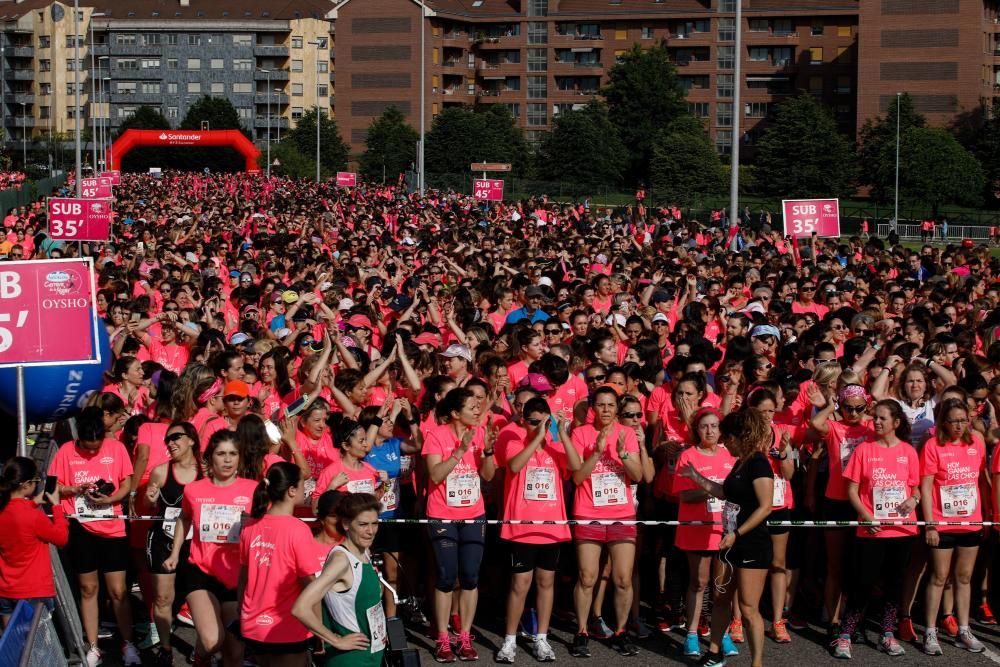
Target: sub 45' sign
[{"x": 488, "y": 189}]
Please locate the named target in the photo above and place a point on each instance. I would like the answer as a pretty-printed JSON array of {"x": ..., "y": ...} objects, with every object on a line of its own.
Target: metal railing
[{"x": 956, "y": 233}]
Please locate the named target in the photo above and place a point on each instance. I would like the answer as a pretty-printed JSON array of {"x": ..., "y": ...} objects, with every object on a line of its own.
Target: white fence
[{"x": 956, "y": 233}]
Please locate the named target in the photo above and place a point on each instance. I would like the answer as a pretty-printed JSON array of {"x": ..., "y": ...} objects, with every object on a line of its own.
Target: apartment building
[{"x": 263, "y": 56}]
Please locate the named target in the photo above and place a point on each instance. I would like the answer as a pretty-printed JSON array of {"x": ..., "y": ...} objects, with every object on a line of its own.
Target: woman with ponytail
[
  {"x": 25, "y": 533},
  {"x": 274, "y": 569},
  {"x": 198, "y": 399}
]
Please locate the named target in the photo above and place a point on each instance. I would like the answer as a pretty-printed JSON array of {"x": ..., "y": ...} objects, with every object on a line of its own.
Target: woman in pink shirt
[
  {"x": 349, "y": 473},
  {"x": 274, "y": 569},
  {"x": 953, "y": 470}
]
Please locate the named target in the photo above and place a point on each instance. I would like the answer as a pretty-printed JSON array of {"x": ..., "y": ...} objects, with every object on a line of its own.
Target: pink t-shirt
[
  {"x": 817, "y": 308},
  {"x": 841, "y": 440},
  {"x": 782, "y": 494},
  {"x": 516, "y": 372},
  {"x": 173, "y": 357},
  {"x": 319, "y": 453},
  {"x": 886, "y": 476},
  {"x": 567, "y": 395},
  {"x": 716, "y": 467},
  {"x": 459, "y": 495},
  {"x": 152, "y": 434},
  {"x": 73, "y": 465},
  {"x": 606, "y": 493},
  {"x": 359, "y": 480},
  {"x": 271, "y": 550},
  {"x": 206, "y": 423},
  {"x": 955, "y": 467},
  {"x": 216, "y": 512},
  {"x": 535, "y": 492}
]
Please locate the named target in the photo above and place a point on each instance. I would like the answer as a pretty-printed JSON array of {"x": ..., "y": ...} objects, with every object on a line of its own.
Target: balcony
[
  {"x": 272, "y": 50},
  {"x": 24, "y": 121},
  {"x": 771, "y": 37},
  {"x": 20, "y": 52},
  {"x": 20, "y": 74},
  {"x": 153, "y": 99},
  {"x": 456, "y": 36},
  {"x": 276, "y": 122},
  {"x": 579, "y": 35},
  {"x": 276, "y": 98},
  {"x": 275, "y": 75},
  {"x": 18, "y": 98}
]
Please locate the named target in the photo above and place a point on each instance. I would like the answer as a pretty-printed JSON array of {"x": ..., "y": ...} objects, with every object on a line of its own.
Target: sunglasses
[
  {"x": 554, "y": 332},
  {"x": 855, "y": 409},
  {"x": 766, "y": 366},
  {"x": 807, "y": 288},
  {"x": 533, "y": 421},
  {"x": 174, "y": 437},
  {"x": 631, "y": 415},
  {"x": 596, "y": 378}
]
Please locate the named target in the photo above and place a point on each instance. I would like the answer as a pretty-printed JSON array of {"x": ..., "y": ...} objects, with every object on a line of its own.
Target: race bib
[
  {"x": 220, "y": 524},
  {"x": 463, "y": 489},
  {"x": 958, "y": 500},
  {"x": 84, "y": 505},
  {"x": 405, "y": 466},
  {"x": 886, "y": 501},
  {"x": 376, "y": 626},
  {"x": 713, "y": 505},
  {"x": 310, "y": 489},
  {"x": 778, "y": 495},
  {"x": 539, "y": 483},
  {"x": 730, "y": 517},
  {"x": 607, "y": 488},
  {"x": 390, "y": 499},
  {"x": 361, "y": 486},
  {"x": 170, "y": 515}
]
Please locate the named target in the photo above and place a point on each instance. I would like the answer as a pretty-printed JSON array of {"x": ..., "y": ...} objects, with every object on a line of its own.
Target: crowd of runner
[{"x": 295, "y": 366}]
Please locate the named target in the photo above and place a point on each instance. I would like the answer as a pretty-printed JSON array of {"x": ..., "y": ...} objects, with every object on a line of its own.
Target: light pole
[
  {"x": 734, "y": 153},
  {"x": 268, "y": 73},
  {"x": 76, "y": 94},
  {"x": 316, "y": 43},
  {"x": 103, "y": 156},
  {"x": 423, "y": 104},
  {"x": 280, "y": 115},
  {"x": 896, "y": 193},
  {"x": 106, "y": 121},
  {"x": 93, "y": 88}
]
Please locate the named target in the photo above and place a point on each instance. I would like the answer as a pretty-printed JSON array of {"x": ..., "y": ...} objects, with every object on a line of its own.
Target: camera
[{"x": 102, "y": 488}]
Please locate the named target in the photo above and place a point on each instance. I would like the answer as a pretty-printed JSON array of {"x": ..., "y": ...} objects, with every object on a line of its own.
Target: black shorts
[
  {"x": 784, "y": 514},
  {"x": 525, "y": 557},
  {"x": 255, "y": 647},
  {"x": 388, "y": 538},
  {"x": 750, "y": 555},
  {"x": 839, "y": 510},
  {"x": 158, "y": 548},
  {"x": 965, "y": 540},
  {"x": 191, "y": 578},
  {"x": 94, "y": 553}
]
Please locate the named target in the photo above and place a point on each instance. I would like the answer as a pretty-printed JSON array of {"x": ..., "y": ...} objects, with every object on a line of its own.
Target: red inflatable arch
[{"x": 134, "y": 138}]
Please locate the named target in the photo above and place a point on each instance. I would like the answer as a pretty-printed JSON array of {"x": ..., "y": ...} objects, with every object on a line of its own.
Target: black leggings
[
  {"x": 878, "y": 561},
  {"x": 458, "y": 550}
]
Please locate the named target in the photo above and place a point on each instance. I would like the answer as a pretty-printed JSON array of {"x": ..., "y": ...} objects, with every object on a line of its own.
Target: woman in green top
[{"x": 352, "y": 622}]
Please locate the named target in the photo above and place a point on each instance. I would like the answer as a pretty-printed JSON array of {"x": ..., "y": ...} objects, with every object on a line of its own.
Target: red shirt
[{"x": 25, "y": 535}]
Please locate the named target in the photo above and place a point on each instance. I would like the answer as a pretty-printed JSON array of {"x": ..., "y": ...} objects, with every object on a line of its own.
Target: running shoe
[
  {"x": 949, "y": 625},
  {"x": 842, "y": 649},
  {"x": 736, "y": 630},
  {"x": 712, "y": 660},
  {"x": 779, "y": 633},
  {"x": 543, "y": 650},
  {"x": 931, "y": 645},
  {"x": 906, "y": 631},
  {"x": 638, "y": 629},
  {"x": 151, "y": 639},
  {"x": 507, "y": 653},
  {"x": 888, "y": 644},
  {"x": 130, "y": 655},
  {"x": 691, "y": 646},
  {"x": 465, "y": 651},
  {"x": 106, "y": 629},
  {"x": 623, "y": 645},
  {"x": 579, "y": 649},
  {"x": 442, "y": 651},
  {"x": 728, "y": 647},
  {"x": 704, "y": 626},
  {"x": 598, "y": 629},
  {"x": 984, "y": 615},
  {"x": 184, "y": 615},
  {"x": 968, "y": 641},
  {"x": 93, "y": 657}
]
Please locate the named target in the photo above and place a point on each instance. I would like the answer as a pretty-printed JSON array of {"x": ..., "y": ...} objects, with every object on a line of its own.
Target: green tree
[
  {"x": 685, "y": 167},
  {"x": 982, "y": 139},
  {"x": 142, "y": 158},
  {"x": 290, "y": 161},
  {"x": 461, "y": 136},
  {"x": 333, "y": 150},
  {"x": 390, "y": 146},
  {"x": 935, "y": 169},
  {"x": 583, "y": 148},
  {"x": 873, "y": 139},
  {"x": 643, "y": 96},
  {"x": 801, "y": 153}
]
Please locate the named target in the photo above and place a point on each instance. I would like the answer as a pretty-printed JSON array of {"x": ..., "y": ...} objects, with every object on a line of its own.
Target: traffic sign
[{"x": 490, "y": 166}]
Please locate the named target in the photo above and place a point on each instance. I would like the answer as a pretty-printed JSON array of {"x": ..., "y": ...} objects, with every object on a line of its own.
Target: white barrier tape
[{"x": 615, "y": 522}]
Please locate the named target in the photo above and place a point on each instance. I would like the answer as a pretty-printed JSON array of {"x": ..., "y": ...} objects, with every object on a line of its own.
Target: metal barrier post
[{"x": 67, "y": 613}]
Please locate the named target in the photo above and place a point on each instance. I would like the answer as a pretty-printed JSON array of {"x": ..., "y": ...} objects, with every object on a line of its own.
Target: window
[
  {"x": 817, "y": 27},
  {"x": 44, "y": 41},
  {"x": 724, "y": 141},
  {"x": 537, "y": 60},
  {"x": 150, "y": 88},
  {"x": 296, "y": 113},
  {"x": 122, "y": 39},
  {"x": 698, "y": 109},
  {"x": 296, "y": 90},
  {"x": 296, "y": 65},
  {"x": 783, "y": 27},
  {"x": 782, "y": 56},
  {"x": 217, "y": 63},
  {"x": 44, "y": 65},
  {"x": 727, "y": 29},
  {"x": 322, "y": 66},
  {"x": 724, "y": 114},
  {"x": 245, "y": 113},
  {"x": 243, "y": 88},
  {"x": 194, "y": 87},
  {"x": 124, "y": 88},
  {"x": 126, "y": 63},
  {"x": 621, "y": 32},
  {"x": 73, "y": 65},
  {"x": 297, "y": 42},
  {"x": 172, "y": 113},
  {"x": 194, "y": 40},
  {"x": 126, "y": 112},
  {"x": 322, "y": 90},
  {"x": 194, "y": 63},
  {"x": 646, "y": 33},
  {"x": 724, "y": 85},
  {"x": 217, "y": 88},
  {"x": 171, "y": 39},
  {"x": 45, "y": 89},
  {"x": 844, "y": 56},
  {"x": 727, "y": 5},
  {"x": 844, "y": 84},
  {"x": 844, "y": 31},
  {"x": 152, "y": 39},
  {"x": 242, "y": 40},
  {"x": 172, "y": 63},
  {"x": 537, "y": 114},
  {"x": 538, "y": 7},
  {"x": 759, "y": 53},
  {"x": 757, "y": 109},
  {"x": 699, "y": 82},
  {"x": 171, "y": 88},
  {"x": 44, "y": 112},
  {"x": 538, "y": 33},
  {"x": 149, "y": 63},
  {"x": 726, "y": 57},
  {"x": 537, "y": 88},
  {"x": 816, "y": 55},
  {"x": 816, "y": 85},
  {"x": 73, "y": 112},
  {"x": 758, "y": 25},
  {"x": 321, "y": 42},
  {"x": 514, "y": 108}
]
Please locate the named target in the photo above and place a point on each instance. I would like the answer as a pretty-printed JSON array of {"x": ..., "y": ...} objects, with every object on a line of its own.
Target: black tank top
[{"x": 171, "y": 497}]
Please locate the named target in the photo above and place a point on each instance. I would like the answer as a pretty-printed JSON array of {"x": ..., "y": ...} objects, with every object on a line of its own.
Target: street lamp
[
  {"x": 93, "y": 86},
  {"x": 734, "y": 152},
  {"x": 268, "y": 73},
  {"x": 103, "y": 157},
  {"x": 896, "y": 206},
  {"x": 106, "y": 120},
  {"x": 317, "y": 43}
]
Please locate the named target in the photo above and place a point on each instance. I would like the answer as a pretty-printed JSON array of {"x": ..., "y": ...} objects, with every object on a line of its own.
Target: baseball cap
[
  {"x": 345, "y": 304},
  {"x": 289, "y": 296},
  {"x": 239, "y": 338},
  {"x": 660, "y": 317},
  {"x": 533, "y": 291},
  {"x": 660, "y": 296},
  {"x": 400, "y": 303},
  {"x": 765, "y": 330},
  {"x": 282, "y": 332},
  {"x": 359, "y": 322},
  {"x": 458, "y": 350},
  {"x": 234, "y": 274},
  {"x": 427, "y": 338},
  {"x": 236, "y": 388},
  {"x": 536, "y": 381}
]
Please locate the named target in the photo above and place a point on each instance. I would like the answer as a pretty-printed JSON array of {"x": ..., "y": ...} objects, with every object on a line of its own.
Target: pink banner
[
  {"x": 346, "y": 179},
  {"x": 115, "y": 176},
  {"x": 47, "y": 313},
  {"x": 79, "y": 219},
  {"x": 95, "y": 188},
  {"x": 488, "y": 189},
  {"x": 805, "y": 217}
]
